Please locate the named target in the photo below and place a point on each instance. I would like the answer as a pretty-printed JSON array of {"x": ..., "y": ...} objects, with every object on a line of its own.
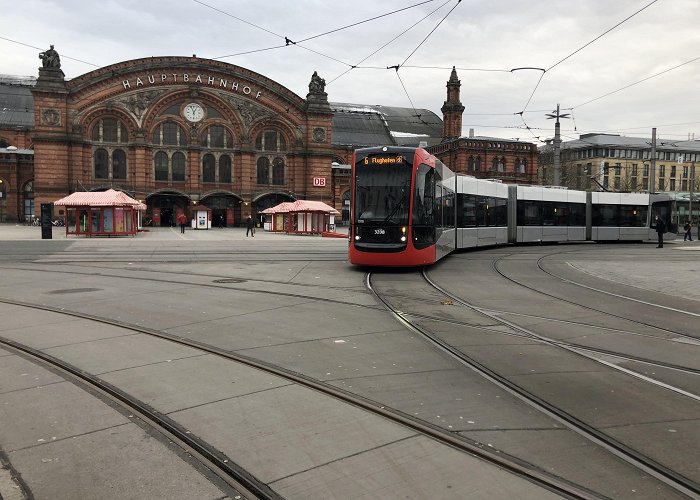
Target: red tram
[{"x": 409, "y": 209}]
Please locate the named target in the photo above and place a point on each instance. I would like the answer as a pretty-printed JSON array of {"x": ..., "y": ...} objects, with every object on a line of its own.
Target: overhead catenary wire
[
  {"x": 39, "y": 48},
  {"x": 388, "y": 43},
  {"x": 545, "y": 71}
]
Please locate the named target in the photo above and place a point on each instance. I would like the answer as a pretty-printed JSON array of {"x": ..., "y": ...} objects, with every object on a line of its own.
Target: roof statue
[
  {"x": 317, "y": 84},
  {"x": 50, "y": 58}
]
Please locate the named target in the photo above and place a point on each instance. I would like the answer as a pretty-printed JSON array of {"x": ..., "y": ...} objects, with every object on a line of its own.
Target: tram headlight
[
  {"x": 403, "y": 230},
  {"x": 357, "y": 237},
  {"x": 403, "y": 238}
]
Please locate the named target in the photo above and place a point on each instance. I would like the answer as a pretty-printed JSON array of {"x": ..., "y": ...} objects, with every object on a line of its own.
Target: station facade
[{"x": 181, "y": 132}]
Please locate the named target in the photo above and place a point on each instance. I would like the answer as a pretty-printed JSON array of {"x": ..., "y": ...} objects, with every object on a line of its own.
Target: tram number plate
[{"x": 379, "y": 231}]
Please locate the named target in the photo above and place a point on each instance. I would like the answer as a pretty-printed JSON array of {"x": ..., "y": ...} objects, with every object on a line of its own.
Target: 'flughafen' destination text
[{"x": 190, "y": 78}]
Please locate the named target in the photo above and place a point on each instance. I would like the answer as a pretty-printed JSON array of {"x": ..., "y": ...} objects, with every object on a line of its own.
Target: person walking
[
  {"x": 182, "y": 220},
  {"x": 688, "y": 226},
  {"x": 250, "y": 227},
  {"x": 660, "y": 230}
]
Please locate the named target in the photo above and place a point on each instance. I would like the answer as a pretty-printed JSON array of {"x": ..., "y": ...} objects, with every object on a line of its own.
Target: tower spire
[{"x": 452, "y": 109}]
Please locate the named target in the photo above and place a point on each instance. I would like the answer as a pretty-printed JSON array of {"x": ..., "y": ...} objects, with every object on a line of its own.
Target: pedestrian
[
  {"x": 221, "y": 221},
  {"x": 660, "y": 230},
  {"x": 250, "y": 227},
  {"x": 688, "y": 226},
  {"x": 182, "y": 220}
]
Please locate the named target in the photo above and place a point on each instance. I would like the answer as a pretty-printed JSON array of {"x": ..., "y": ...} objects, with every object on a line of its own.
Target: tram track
[
  {"x": 220, "y": 462},
  {"x": 588, "y": 307},
  {"x": 524, "y": 334},
  {"x": 649, "y": 466}
]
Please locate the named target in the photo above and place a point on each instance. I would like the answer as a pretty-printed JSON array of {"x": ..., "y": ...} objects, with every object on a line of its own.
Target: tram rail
[{"x": 662, "y": 473}]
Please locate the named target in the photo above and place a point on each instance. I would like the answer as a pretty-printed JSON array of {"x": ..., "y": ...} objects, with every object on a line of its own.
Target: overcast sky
[{"x": 476, "y": 36}]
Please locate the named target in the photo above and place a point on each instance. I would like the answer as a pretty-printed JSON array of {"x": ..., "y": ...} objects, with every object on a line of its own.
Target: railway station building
[{"x": 176, "y": 132}]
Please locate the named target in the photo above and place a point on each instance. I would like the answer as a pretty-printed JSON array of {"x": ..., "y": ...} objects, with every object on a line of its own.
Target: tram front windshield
[{"x": 382, "y": 194}]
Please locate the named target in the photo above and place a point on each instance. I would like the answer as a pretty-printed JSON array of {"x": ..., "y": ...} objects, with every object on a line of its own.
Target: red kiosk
[
  {"x": 300, "y": 217},
  {"x": 101, "y": 213}
]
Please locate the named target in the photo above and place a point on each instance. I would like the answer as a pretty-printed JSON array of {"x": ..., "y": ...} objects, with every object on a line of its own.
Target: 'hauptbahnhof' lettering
[{"x": 176, "y": 132}]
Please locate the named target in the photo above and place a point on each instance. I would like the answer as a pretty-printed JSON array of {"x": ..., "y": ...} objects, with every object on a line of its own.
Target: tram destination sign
[{"x": 384, "y": 160}]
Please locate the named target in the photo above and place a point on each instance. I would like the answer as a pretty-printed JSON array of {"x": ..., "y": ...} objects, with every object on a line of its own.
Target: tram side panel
[
  {"x": 550, "y": 214},
  {"x": 445, "y": 208},
  {"x": 481, "y": 213},
  {"x": 619, "y": 216}
]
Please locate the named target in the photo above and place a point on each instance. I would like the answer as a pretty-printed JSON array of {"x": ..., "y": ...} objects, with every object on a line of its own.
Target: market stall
[{"x": 101, "y": 213}]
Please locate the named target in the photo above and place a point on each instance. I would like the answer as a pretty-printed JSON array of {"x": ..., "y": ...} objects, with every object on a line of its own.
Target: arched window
[
  {"x": 169, "y": 134},
  {"x": 474, "y": 164},
  {"x": 118, "y": 164},
  {"x": 263, "y": 170},
  {"x": 101, "y": 159},
  {"x": 278, "y": 171},
  {"x": 161, "y": 166},
  {"x": 270, "y": 140},
  {"x": 209, "y": 168},
  {"x": 225, "y": 169},
  {"x": 217, "y": 137},
  {"x": 523, "y": 166},
  {"x": 267, "y": 143},
  {"x": 178, "y": 161},
  {"x": 28, "y": 199},
  {"x": 110, "y": 130}
]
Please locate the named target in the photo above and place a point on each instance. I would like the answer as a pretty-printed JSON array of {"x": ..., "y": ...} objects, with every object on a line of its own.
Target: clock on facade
[{"x": 193, "y": 112}]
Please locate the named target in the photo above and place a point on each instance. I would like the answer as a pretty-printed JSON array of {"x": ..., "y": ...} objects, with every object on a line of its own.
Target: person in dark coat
[
  {"x": 660, "y": 230},
  {"x": 250, "y": 227},
  {"x": 688, "y": 227}
]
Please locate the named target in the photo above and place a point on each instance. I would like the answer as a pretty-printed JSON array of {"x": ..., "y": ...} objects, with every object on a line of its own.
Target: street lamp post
[{"x": 557, "y": 144}]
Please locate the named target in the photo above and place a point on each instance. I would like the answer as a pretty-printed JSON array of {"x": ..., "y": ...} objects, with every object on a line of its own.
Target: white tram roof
[
  {"x": 471, "y": 185},
  {"x": 540, "y": 193},
  {"x": 606, "y": 197}
]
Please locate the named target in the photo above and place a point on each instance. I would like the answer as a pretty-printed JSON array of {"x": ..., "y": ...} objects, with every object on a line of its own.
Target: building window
[
  {"x": 673, "y": 170},
  {"x": 278, "y": 171},
  {"x": 266, "y": 142},
  {"x": 28, "y": 199},
  {"x": 270, "y": 140},
  {"x": 101, "y": 160},
  {"x": 178, "y": 161},
  {"x": 662, "y": 170},
  {"x": 225, "y": 169},
  {"x": 263, "y": 170},
  {"x": 646, "y": 170},
  {"x": 209, "y": 168},
  {"x": 662, "y": 185},
  {"x": 634, "y": 169},
  {"x": 169, "y": 134},
  {"x": 118, "y": 164},
  {"x": 161, "y": 166},
  {"x": 110, "y": 130},
  {"x": 645, "y": 184},
  {"x": 672, "y": 185},
  {"x": 216, "y": 137}
]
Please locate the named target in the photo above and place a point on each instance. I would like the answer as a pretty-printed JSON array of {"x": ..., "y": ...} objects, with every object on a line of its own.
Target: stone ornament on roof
[
  {"x": 317, "y": 85},
  {"x": 50, "y": 58}
]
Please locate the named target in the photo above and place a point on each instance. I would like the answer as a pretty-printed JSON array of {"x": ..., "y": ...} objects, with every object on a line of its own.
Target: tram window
[
  {"x": 529, "y": 213},
  {"x": 548, "y": 213},
  {"x": 606, "y": 215},
  {"x": 500, "y": 212},
  {"x": 561, "y": 214},
  {"x": 448, "y": 208},
  {"x": 633, "y": 216},
  {"x": 577, "y": 214},
  {"x": 423, "y": 207},
  {"x": 438, "y": 205},
  {"x": 467, "y": 212}
]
